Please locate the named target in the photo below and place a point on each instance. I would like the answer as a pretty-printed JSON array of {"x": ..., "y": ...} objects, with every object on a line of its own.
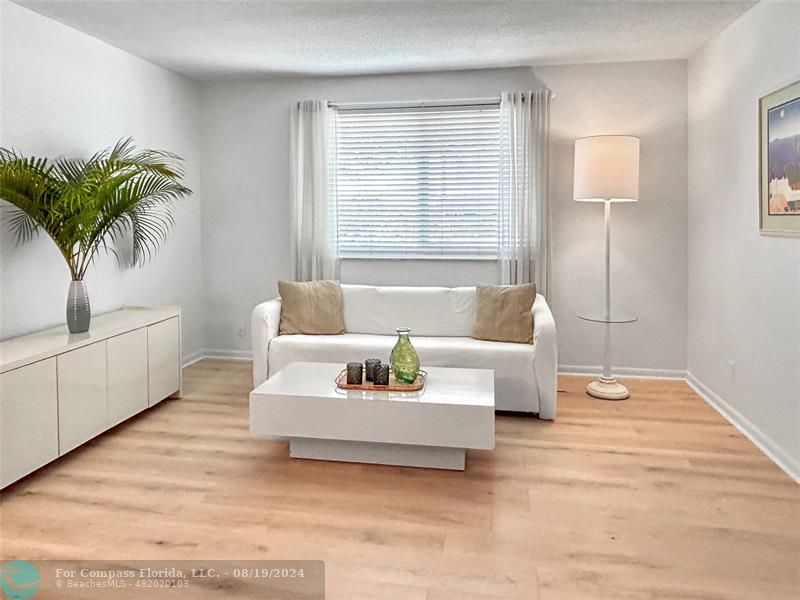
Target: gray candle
[
  {"x": 369, "y": 367},
  {"x": 381, "y": 375},
  {"x": 354, "y": 373}
]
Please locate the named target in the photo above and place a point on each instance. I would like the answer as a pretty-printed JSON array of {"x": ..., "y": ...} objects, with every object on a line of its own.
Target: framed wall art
[{"x": 779, "y": 200}]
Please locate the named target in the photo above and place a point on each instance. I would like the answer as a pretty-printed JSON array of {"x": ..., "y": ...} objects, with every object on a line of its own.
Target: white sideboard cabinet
[
  {"x": 82, "y": 395},
  {"x": 163, "y": 352},
  {"x": 59, "y": 390},
  {"x": 126, "y": 361}
]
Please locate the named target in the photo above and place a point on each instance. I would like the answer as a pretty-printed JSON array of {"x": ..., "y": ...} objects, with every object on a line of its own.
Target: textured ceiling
[{"x": 229, "y": 38}]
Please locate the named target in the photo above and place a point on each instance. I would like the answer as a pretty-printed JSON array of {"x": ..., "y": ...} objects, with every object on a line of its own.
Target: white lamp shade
[{"x": 606, "y": 168}]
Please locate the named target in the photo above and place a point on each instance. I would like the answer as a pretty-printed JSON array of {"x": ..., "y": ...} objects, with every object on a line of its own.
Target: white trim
[
  {"x": 788, "y": 464},
  {"x": 631, "y": 372},
  {"x": 242, "y": 355},
  {"x": 229, "y": 354},
  {"x": 192, "y": 358}
]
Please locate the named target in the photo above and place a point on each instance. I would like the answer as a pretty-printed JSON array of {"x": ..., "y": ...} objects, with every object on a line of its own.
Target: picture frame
[{"x": 779, "y": 159}]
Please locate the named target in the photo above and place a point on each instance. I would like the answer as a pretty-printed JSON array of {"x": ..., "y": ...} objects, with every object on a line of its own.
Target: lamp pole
[
  {"x": 607, "y": 338},
  {"x": 606, "y": 386}
]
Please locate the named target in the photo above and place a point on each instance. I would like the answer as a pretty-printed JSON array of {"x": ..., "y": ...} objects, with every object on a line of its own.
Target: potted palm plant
[{"x": 84, "y": 206}]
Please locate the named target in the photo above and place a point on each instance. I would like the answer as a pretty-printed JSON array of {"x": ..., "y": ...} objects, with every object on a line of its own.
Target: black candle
[
  {"x": 354, "y": 373},
  {"x": 381, "y": 375},
  {"x": 369, "y": 367}
]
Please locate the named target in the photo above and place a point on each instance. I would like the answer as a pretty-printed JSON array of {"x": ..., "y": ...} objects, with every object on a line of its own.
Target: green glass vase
[{"x": 404, "y": 359}]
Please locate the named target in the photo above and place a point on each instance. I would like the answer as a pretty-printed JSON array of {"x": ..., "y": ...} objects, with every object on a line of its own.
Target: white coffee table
[{"x": 431, "y": 428}]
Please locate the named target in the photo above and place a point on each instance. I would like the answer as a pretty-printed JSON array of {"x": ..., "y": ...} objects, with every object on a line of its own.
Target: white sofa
[{"x": 441, "y": 321}]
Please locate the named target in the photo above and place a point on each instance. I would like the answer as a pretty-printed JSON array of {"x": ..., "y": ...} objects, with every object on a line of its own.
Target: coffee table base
[{"x": 405, "y": 455}]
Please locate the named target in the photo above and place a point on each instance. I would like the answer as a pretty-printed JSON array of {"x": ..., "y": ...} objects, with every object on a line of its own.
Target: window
[{"x": 416, "y": 182}]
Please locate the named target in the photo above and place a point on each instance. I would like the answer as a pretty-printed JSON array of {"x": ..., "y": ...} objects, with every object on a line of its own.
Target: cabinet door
[
  {"x": 82, "y": 395},
  {"x": 164, "y": 359},
  {"x": 127, "y": 375},
  {"x": 28, "y": 419}
]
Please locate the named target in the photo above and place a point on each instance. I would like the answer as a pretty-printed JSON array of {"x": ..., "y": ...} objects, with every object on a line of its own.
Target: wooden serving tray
[{"x": 394, "y": 385}]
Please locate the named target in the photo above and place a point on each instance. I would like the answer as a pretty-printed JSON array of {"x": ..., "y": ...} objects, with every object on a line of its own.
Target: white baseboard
[
  {"x": 229, "y": 354},
  {"x": 192, "y": 358},
  {"x": 632, "y": 372},
  {"x": 776, "y": 454},
  {"x": 217, "y": 354}
]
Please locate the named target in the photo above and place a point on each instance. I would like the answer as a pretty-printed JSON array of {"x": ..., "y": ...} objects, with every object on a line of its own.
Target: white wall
[
  {"x": 246, "y": 191},
  {"x": 65, "y": 93},
  {"x": 648, "y": 238},
  {"x": 246, "y": 187},
  {"x": 744, "y": 288}
]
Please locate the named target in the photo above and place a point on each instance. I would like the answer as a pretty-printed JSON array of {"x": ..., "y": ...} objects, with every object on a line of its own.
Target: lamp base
[{"x": 607, "y": 389}]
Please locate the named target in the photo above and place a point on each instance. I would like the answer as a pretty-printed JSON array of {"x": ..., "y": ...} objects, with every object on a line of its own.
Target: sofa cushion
[
  {"x": 427, "y": 311},
  {"x": 512, "y": 363},
  {"x": 311, "y": 307},
  {"x": 503, "y": 313}
]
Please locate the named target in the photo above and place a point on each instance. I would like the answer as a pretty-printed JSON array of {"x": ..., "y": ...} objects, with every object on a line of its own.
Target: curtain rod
[
  {"x": 415, "y": 103},
  {"x": 418, "y": 103}
]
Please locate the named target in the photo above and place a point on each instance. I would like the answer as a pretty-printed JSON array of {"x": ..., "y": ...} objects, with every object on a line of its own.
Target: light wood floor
[{"x": 653, "y": 498}]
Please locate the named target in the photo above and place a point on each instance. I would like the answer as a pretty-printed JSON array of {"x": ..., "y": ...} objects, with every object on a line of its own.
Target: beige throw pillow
[
  {"x": 503, "y": 313},
  {"x": 312, "y": 307}
]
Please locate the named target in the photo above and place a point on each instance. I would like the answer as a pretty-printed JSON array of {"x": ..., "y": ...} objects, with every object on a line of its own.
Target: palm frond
[
  {"x": 85, "y": 205},
  {"x": 22, "y": 225}
]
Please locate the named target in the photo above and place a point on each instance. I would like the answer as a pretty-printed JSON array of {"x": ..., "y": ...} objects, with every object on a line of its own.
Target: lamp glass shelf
[{"x": 614, "y": 318}]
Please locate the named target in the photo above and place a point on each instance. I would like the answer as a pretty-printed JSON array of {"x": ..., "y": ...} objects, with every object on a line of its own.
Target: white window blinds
[{"x": 416, "y": 182}]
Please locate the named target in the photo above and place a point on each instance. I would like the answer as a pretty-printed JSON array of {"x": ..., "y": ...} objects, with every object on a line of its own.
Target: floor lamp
[{"x": 607, "y": 170}]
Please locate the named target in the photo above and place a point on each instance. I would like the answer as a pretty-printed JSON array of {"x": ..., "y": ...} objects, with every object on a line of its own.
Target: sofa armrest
[
  {"x": 545, "y": 359},
  {"x": 263, "y": 327}
]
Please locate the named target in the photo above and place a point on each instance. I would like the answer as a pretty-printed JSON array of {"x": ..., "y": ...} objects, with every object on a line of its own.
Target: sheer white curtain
[
  {"x": 524, "y": 137},
  {"x": 313, "y": 218}
]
